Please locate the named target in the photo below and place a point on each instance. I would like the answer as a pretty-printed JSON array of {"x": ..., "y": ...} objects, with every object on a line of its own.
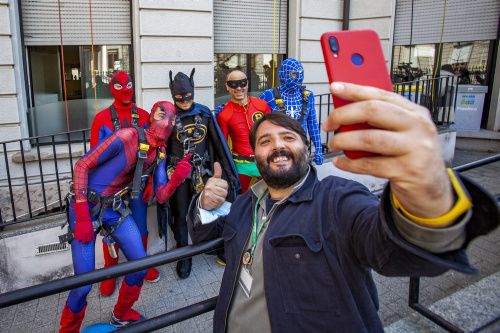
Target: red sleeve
[
  {"x": 96, "y": 126},
  {"x": 143, "y": 117}
]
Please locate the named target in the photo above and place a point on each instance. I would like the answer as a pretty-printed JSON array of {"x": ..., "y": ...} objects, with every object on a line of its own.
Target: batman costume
[{"x": 195, "y": 132}]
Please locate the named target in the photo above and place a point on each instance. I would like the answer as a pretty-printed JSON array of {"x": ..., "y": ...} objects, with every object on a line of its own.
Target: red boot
[
  {"x": 71, "y": 322},
  {"x": 123, "y": 314},
  {"x": 108, "y": 286},
  {"x": 153, "y": 274}
]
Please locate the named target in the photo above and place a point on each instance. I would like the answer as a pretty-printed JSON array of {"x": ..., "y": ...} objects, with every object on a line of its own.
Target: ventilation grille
[{"x": 51, "y": 248}]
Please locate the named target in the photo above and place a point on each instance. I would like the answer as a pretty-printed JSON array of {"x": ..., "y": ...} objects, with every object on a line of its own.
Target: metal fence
[
  {"x": 35, "y": 182},
  {"x": 68, "y": 283},
  {"x": 27, "y": 175}
]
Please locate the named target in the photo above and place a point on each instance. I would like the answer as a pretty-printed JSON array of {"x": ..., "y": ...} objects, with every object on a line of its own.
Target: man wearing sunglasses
[
  {"x": 235, "y": 120},
  {"x": 292, "y": 98},
  {"x": 122, "y": 114}
]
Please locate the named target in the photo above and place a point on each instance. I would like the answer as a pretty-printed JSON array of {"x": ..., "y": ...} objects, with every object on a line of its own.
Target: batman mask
[{"x": 182, "y": 86}]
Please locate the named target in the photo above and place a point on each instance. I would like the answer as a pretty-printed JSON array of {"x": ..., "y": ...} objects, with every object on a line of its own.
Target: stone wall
[
  {"x": 36, "y": 199},
  {"x": 173, "y": 35},
  {"x": 33, "y": 178},
  {"x": 13, "y": 106}
]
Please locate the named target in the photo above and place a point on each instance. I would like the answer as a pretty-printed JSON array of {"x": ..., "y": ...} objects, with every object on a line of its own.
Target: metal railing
[
  {"x": 38, "y": 178},
  {"x": 424, "y": 92},
  {"x": 414, "y": 289},
  {"x": 80, "y": 280},
  {"x": 439, "y": 95},
  {"x": 72, "y": 282}
]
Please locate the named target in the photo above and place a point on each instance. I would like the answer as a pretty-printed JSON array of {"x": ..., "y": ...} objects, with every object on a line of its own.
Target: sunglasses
[{"x": 233, "y": 84}]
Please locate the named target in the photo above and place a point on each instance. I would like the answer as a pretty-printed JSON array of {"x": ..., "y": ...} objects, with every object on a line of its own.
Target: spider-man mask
[
  {"x": 162, "y": 121},
  {"x": 288, "y": 69},
  {"x": 122, "y": 88}
]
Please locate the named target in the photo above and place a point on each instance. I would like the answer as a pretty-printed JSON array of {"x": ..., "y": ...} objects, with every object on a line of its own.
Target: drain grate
[{"x": 51, "y": 248}]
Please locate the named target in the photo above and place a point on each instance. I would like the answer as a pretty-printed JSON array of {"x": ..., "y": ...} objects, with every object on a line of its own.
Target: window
[
  {"x": 410, "y": 63},
  {"x": 47, "y": 109}
]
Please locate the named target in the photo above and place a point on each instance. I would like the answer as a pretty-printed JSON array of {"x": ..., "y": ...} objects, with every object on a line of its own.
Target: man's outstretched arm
[{"x": 408, "y": 144}]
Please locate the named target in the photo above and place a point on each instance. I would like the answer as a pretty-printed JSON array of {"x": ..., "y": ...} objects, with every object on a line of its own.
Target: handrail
[
  {"x": 478, "y": 163},
  {"x": 45, "y": 136},
  {"x": 68, "y": 283},
  {"x": 80, "y": 280},
  {"x": 414, "y": 288},
  {"x": 172, "y": 317}
]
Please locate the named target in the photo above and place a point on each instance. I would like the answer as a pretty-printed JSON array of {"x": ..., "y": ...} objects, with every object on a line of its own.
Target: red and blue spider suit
[
  {"x": 103, "y": 126},
  {"x": 102, "y": 173}
]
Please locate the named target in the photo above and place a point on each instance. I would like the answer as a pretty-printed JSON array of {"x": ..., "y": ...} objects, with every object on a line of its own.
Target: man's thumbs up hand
[
  {"x": 215, "y": 191},
  {"x": 217, "y": 170}
]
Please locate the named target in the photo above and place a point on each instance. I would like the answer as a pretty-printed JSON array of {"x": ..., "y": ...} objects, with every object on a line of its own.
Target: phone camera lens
[{"x": 334, "y": 44}]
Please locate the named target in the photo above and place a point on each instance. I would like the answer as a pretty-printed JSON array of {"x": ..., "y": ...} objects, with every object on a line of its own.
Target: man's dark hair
[
  {"x": 448, "y": 68},
  {"x": 279, "y": 119}
]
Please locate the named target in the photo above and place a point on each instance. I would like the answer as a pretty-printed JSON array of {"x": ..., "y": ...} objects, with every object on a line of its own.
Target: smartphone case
[{"x": 344, "y": 65}]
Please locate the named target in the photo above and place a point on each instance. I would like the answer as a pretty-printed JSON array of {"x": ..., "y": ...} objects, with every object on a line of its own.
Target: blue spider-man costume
[
  {"x": 292, "y": 97},
  {"x": 103, "y": 172},
  {"x": 102, "y": 127}
]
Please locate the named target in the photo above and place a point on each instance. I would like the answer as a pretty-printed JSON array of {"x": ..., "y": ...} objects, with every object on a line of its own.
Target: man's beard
[{"x": 281, "y": 178}]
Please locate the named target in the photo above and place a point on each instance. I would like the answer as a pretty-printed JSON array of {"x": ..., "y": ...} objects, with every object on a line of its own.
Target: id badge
[{"x": 245, "y": 281}]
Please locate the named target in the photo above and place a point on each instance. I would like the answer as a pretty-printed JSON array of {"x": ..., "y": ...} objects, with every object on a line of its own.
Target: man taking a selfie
[{"x": 300, "y": 251}]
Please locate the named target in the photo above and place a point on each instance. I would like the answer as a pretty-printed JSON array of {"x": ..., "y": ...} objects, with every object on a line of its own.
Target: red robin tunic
[{"x": 235, "y": 120}]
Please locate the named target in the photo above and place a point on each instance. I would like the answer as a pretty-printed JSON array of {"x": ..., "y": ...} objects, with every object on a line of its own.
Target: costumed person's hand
[
  {"x": 219, "y": 109},
  {"x": 318, "y": 157},
  {"x": 84, "y": 231},
  {"x": 215, "y": 190},
  {"x": 406, "y": 139},
  {"x": 148, "y": 191},
  {"x": 182, "y": 170}
]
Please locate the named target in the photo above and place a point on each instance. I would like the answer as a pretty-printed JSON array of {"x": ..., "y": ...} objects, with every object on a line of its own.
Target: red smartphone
[{"x": 355, "y": 56}]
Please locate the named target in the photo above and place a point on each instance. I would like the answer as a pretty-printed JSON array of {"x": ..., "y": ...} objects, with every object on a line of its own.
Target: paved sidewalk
[{"x": 170, "y": 293}]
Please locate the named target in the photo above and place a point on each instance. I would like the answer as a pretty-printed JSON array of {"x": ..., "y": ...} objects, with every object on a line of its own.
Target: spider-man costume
[
  {"x": 292, "y": 97},
  {"x": 102, "y": 127},
  {"x": 235, "y": 121},
  {"x": 103, "y": 172}
]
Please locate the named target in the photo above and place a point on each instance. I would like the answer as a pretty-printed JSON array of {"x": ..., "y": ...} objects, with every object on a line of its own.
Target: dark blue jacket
[{"x": 340, "y": 231}]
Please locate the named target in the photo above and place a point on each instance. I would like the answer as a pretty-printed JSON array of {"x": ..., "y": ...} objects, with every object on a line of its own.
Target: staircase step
[{"x": 472, "y": 309}]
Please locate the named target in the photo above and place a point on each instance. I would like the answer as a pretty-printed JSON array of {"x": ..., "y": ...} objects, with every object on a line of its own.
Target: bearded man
[{"x": 300, "y": 251}]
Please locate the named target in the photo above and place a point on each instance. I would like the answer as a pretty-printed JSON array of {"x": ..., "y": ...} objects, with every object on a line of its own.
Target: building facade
[
  {"x": 148, "y": 38},
  {"x": 47, "y": 89}
]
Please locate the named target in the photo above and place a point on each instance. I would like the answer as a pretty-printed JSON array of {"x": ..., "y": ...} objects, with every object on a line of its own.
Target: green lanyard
[{"x": 255, "y": 232}]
